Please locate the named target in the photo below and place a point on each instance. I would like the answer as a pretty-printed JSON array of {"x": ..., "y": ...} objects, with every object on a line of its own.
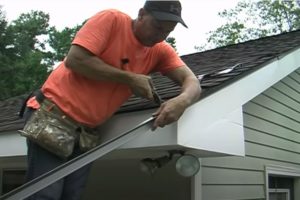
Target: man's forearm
[
  {"x": 85, "y": 63},
  {"x": 94, "y": 68},
  {"x": 190, "y": 91}
]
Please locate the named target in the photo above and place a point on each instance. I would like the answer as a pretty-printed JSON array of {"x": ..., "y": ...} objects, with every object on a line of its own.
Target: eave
[{"x": 211, "y": 127}]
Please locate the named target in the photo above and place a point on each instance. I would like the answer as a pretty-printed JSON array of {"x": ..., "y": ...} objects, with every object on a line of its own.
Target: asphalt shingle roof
[
  {"x": 244, "y": 57},
  {"x": 209, "y": 66}
]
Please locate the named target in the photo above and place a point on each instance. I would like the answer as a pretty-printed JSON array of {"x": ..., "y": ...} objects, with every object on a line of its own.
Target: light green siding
[
  {"x": 231, "y": 192},
  {"x": 272, "y": 137}
]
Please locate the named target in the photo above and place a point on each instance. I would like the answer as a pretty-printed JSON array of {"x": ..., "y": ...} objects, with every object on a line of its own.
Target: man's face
[{"x": 150, "y": 31}]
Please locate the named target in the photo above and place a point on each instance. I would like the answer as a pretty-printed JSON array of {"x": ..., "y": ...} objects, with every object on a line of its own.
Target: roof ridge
[{"x": 245, "y": 42}]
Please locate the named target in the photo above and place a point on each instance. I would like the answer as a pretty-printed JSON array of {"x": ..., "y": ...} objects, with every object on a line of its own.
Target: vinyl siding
[{"x": 272, "y": 137}]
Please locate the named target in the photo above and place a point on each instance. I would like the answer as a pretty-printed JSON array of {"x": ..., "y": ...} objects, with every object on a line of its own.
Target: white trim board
[{"x": 282, "y": 170}]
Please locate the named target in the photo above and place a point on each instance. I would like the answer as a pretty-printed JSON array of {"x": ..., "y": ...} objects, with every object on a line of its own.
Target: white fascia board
[{"x": 196, "y": 125}]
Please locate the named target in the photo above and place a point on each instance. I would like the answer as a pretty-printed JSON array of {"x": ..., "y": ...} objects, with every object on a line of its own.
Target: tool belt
[{"x": 53, "y": 130}]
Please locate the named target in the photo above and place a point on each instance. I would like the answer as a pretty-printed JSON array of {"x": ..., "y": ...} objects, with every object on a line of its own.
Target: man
[{"x": 109, "y": 60}]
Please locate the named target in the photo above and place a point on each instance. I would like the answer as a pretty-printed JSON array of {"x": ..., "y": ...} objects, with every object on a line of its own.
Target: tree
[
  {"x": 172, "y": 42},
  {"x": 23, "y": 55},
  {"x": 3, "y": 26},
  {"x": 254, "y": 19},
  {"x": 60, "y": 41},
  {"x": 3, "y": 41},
  {"x": 27, "y": 31}
]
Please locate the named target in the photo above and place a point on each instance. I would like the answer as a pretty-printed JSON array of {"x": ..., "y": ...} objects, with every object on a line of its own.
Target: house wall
[
  {"x": 123, "y": 179},
  {"x": 272, "y": 137}
]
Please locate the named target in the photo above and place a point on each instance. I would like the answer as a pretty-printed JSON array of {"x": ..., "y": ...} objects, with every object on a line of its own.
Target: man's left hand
[{"x": 169, "y": 111}]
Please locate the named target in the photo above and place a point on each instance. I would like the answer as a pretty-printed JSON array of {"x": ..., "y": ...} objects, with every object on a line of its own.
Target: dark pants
[{"x": 40, "y": 161}]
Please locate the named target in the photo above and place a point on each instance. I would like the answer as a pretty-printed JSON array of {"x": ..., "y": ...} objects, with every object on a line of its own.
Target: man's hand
[
  {"x": 169, "y": 111},
  {"x": 141, "y": 85}
]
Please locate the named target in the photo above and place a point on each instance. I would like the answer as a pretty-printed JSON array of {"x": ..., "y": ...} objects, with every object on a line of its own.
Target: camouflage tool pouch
[
  {"x": 51, "y": 131},
  {"x": 88, "y": 139}
]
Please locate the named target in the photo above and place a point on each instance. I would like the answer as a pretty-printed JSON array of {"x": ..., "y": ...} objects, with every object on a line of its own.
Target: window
[
  {"x": 282, "y": 183},
  {"x": 279, "y": 194},
  {"x": 281, "y": 188}
]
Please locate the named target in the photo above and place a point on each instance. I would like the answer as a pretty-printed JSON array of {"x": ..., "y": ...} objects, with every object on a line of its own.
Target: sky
[{"x": 201, "y": 16}]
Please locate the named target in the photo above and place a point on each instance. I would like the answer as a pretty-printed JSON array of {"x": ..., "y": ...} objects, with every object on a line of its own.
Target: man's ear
[{"x": 142, "y": 13}]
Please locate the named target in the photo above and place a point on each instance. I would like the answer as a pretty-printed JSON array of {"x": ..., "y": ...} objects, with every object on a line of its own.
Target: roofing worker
[{"x": 109, "y": 60}]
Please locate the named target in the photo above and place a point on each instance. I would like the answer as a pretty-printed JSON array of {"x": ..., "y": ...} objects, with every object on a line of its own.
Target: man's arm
[
  {"x": 83, "y": 62},
  {"x": 172, "y": 109}
]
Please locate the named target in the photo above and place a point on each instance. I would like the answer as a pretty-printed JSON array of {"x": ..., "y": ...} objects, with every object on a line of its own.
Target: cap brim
[{"x": 168, "y": 17}]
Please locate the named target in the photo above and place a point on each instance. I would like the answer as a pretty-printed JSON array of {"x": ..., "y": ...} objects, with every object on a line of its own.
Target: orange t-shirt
[{"x": 108, "y": 35}]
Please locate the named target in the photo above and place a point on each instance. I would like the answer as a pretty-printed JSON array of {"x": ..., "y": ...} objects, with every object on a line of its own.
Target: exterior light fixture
[{"x": 186, "y": 165}]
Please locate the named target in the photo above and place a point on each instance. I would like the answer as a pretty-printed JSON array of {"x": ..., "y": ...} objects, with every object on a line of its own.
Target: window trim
[{"x": 279, "y": 170}]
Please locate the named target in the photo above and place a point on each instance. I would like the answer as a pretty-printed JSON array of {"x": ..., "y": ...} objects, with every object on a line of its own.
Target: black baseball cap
[{"x": 165, "y": 10}]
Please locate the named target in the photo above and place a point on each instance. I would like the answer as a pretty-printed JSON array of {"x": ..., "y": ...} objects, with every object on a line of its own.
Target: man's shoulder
[
  {"x": 163, "y": 47},
  {"x": 163, "y": 44},
  {"x": 113, "y": 12}
]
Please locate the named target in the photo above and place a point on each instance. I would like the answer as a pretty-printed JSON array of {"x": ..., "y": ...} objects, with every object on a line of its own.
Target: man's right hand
[
  {"x": 141, "y": 85},
  {"x": 87, "y": 64}
]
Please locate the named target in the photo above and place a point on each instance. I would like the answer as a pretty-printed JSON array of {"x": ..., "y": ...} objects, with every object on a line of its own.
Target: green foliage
[
  {"x": 227, "y": 34},
  {"x": 172, "y": 42},
  {"x": 61, "y": 41},
  {"x": 29, "y": 48},
  {"x": 254, "y": 19},
  {"x": 3, "y": 24},
  {"x": 26, "y": 30},
  {"x": 24, "y": 75},
  {"x": 22, "y": 54}
]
